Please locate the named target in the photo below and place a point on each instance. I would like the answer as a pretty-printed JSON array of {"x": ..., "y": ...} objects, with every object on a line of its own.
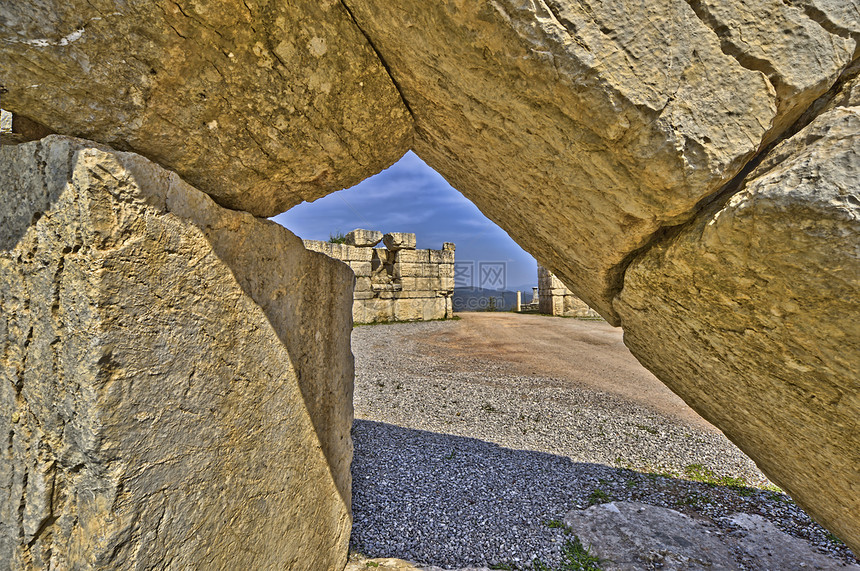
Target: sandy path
[{"x": 587, "y": 354}]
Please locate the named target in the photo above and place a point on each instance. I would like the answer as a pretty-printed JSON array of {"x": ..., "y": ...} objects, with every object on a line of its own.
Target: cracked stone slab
[
  {"x": 800, "y": 57},
  {"x": 749, "y": 314},
  {"x": 175, "y": 390},
  {"x": 607, "y": 121},
  {"x": 632, "y": 536},
  {"x": 629, "y": 536},
  {"x": 260, "y": 104},
  {"x": 759, "y": 538}
]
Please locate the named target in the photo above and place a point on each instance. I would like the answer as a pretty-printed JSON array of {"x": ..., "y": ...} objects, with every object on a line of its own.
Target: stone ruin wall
[
  {"x": 555, "y": 299},
  {"x": 397, "y": 282}
]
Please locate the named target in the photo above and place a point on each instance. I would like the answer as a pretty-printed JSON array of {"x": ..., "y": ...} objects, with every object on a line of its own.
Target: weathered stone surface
[
  {"x": 395, "y": 241},
  {"x": 630, "y": 536},
  {"x": 617, "y": 118},
  {"x": 837, "y": 16},
  {"x": 606, "y": 121},
  {"x": 262, "y": 104},
  {"x": 175, "y": 390},
  {"x": 749, "y": 313},
  {"x": 364, "y": 238},
  {"x": 776, "y": 549},
  {"x": 765, "y": 35}
]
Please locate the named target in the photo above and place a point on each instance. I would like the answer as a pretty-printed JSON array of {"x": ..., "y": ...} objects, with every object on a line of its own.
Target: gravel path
[{"x": 461, "y": 459}]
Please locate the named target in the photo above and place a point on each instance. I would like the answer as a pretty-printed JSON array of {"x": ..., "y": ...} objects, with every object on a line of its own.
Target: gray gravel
[{"x": 459, "y": 463}]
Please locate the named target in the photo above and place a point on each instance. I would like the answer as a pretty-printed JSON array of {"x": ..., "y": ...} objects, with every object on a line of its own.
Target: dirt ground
[{"x": 587, "y": 353}]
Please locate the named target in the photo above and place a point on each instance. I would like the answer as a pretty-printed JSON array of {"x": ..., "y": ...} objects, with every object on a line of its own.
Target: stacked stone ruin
[
  {"x": 554, "y": 298},
  {"x": 397, "y": 282}
]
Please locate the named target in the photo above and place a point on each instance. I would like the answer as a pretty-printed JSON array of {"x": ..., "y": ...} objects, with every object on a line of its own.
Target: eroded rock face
[
  {"x": 174, "y": 391},
  {"x": 750, "y": 315},
  {"x": 262, "y": 104},
  {"x": 610, "y": 119},
  {"x": 603, "y": 121}
]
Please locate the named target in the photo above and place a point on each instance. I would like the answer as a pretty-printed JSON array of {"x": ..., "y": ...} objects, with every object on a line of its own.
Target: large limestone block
[
  {"x": 261, "y": 104},
  {"x": 395, "y": 241},
  {"x": 605, "y": 122},
  {"x": 750, "y": 314},
  {"x": 364, "y": 238},
  {"x": 176, "y": 385},
  {"x": 801, "y": 58}
]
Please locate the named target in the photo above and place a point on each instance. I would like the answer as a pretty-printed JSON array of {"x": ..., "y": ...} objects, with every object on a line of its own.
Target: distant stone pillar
[
  {"x": 535, "y": 298},
  {"x": 519, "y": 301},
  {"x": 175, "y": 391}
]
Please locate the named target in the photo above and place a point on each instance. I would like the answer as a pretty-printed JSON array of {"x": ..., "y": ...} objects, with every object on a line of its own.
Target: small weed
[
  {"x": 834, "y": 539},
  {"x": 557, "y": 524},
  {"x": 647, "y": 429},
  {"x": 371, "y": 564},
  {"x": 574, "y": 557},
  {"x": 598, "y": 496},
  {"x": 699, "y": 473},
  {"x": 503, "y": 566},
  {"x": 337, "y": 238},
  {"x": 631, "y": 483},
  {"x": 451, "y": 455}
]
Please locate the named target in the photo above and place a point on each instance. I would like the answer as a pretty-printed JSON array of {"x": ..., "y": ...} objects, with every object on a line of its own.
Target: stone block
[
  {"x": 395, "y": 241},
  {"x": 203, "y": 91},
  {"x": 357, "y": 254},
  {"x": 412, "y": 257},
  {"x": 374, "y": 310},
  {"x": 361, "y": 269},
  {"x": 411, "y": 270},
  {"x": 759, "y": 296},
  {"x": 449, "y": 246},
  {"x": 364, "y": 238},
  {"x": 406, "y": 309},
  {"x": 150, "y": 393},
  {"x": 318, "y": 246},
  {"x": 363, "y": 284}
]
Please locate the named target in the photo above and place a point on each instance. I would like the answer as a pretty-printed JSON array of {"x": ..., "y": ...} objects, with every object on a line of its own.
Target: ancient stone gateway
[{"x": 688, "y": 168}]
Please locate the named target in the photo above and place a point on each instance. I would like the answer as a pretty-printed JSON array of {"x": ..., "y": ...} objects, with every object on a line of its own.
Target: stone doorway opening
[{"x": 484, "y": 441}]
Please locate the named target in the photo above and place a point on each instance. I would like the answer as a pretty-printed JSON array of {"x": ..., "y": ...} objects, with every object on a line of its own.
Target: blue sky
[{"x": 409, "y": 196}]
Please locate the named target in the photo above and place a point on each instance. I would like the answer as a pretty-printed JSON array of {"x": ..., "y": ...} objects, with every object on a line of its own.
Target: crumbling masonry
[{"x": 398, "y": 282}]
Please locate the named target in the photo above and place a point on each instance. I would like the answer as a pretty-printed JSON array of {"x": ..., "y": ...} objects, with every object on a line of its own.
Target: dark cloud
[{"x": 411, "y": 197}]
